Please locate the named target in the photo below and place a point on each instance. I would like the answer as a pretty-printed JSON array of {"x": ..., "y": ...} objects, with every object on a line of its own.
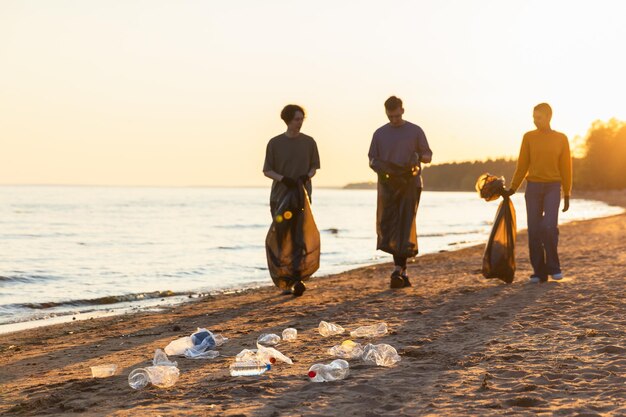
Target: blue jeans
[{"x": 542, "y": 210}]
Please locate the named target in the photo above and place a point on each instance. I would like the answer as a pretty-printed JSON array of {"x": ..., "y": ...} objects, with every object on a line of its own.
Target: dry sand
[{"x": 469, "y": 346}]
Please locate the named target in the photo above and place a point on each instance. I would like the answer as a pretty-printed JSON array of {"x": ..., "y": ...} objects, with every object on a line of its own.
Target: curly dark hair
[{"x": 289, "y": 112}]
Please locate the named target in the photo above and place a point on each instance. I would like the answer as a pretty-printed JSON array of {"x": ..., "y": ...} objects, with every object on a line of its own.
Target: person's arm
[
  {"x": 373, "y": 154},
  {"x": 423, "y": 149},
  {"x": 565, "y": 166},
  {"x": 273, "y": 175},
  {"x": 523, "y": 162}
]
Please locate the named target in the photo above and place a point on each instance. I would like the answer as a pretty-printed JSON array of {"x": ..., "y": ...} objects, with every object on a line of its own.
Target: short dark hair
[
  {"x": 289, "y": 112},
  {"x": 544, "y": 108},
  {"x": 393, "y": 103}
]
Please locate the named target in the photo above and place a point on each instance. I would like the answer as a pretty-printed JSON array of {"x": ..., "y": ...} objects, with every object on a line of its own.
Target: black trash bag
[
  {"x": 396, "y": 207},
  {"x": 489, "y": 186},
  {"x": 499, "y": 256},
  {"x": 292, "y": 244}
]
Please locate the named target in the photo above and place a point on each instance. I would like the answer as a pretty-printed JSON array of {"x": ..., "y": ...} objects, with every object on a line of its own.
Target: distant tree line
[{"x": 602, "y": 166}]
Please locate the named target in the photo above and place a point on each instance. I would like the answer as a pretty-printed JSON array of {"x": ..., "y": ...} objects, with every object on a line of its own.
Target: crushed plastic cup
[
  {"x": 161, "y": 376},
  {"x": 346, "y": 350},
  {"x": 161, "y": 359},
  {"x": 290, "y": 334},
  {"x": 103, "y": 371},
  {"x": 270, "y": 339},
  {"x": 375, "y": 330},
  {"x": 330, "y": 329},
  {"x": 381, "y": 354}
]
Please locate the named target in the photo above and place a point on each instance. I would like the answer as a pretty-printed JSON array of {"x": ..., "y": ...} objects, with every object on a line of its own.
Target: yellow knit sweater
[{"x": 545, "y": 157}]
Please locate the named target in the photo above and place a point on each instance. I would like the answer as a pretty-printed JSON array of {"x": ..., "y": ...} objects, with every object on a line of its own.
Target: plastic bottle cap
[
  {"x": 268, "y": 367},
  {"x": 312, "y": 374}
]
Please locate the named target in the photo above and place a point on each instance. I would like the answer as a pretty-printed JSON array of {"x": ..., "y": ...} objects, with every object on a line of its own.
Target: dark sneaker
[
  {"x": 298, "y": 289},
  {"x": 405, "y": 278},
  {"x": 396, "y": 280}
]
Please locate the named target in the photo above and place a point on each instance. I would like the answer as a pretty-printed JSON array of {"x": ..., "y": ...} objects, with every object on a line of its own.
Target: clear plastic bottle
[
  {"x": 337, "y": 369},
  {"x": 329, "y": 329},
  {"x": 290, "y": 334},
  {"x": 374, "y": 330},
  {"x": 160, "y": 376},
  {"x": 249, "y": 368}
]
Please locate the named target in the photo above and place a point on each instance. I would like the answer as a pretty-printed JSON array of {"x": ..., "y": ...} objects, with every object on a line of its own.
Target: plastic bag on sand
[
  {"x": 329, "y": 329},
  {"x": 346, "y": 350},
  {"x": 177, "y": 347},
  {"x": 197, "y": 346},
  {"x": 270, "y": 339},
  {"x": 374, "y": 330},
  {"x": 381, "y": 355}
]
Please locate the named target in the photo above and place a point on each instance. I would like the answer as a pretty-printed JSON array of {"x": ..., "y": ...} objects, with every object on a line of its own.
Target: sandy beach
[{"x": 469, "y": 346}]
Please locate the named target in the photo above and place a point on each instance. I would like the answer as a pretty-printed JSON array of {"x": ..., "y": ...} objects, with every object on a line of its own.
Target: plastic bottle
[
  {"x": 270, "y": 339},
  {"x": 160, "y": 376},
  {"x": 374, "y": 330},
  {"x": 381, "y": 355},
  {"x": 290, "y": 334},
  {"x": 248, "y": 368},
  {"x": 337, "y": 369},
  {"x": 329, "y": 329}
]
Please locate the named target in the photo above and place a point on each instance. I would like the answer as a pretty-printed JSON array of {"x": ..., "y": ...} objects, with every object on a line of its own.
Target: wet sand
[{"x": 469, "y": 346}]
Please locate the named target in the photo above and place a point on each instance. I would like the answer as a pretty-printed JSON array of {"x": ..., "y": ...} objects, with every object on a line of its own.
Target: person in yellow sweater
[{"x": 545, "y": 162}]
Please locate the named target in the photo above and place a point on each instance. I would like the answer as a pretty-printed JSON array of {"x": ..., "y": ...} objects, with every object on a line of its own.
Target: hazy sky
[{"x": 189, "y": 92}]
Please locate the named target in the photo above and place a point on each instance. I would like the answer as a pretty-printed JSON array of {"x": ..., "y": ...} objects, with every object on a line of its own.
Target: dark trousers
[
  {"x": 542, "y": 211},
  {"x": 401, "y": 260}
]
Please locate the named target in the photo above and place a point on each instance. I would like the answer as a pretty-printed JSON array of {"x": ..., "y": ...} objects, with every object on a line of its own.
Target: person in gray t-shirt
[
  {"x": 291, "y": 157},
  {"x": 396, "y": 153}
]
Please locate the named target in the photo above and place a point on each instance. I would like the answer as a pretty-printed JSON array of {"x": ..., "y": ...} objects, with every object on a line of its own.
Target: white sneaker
[
  {"x": 534, "y": 280},
  {"x": 557, "y": 277}
]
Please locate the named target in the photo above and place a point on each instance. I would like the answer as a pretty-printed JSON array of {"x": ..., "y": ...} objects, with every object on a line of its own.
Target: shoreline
[
  {"x": 613, "y": 198},
  {"x": 469, "y": 346}
]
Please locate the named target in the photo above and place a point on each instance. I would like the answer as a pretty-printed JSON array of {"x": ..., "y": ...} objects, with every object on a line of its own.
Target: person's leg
[
  {"x": 534, "y": 215},
  {"x": 549, "y": 227},
  {"x": 396, "y": 276}
]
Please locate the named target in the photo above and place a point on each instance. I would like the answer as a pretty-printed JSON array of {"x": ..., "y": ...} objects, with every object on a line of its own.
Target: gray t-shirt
[
  {"x": 398, "y": 144},
  {"x": 291, "y": 157}
]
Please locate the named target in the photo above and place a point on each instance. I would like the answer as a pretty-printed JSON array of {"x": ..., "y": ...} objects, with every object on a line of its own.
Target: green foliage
[
  {"x": 604, "y": 165},
  {"x": 462, "y": 176}
]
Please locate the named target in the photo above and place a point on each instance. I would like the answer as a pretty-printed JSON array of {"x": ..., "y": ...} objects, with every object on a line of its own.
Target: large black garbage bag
[
  {"x": 396, "y": 208},
  {"x": 292, "y": 244},
  {"x": 499, "y": 256}
]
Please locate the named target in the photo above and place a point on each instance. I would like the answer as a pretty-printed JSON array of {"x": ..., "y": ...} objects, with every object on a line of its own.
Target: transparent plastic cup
[{"x": 103, "y": 371}]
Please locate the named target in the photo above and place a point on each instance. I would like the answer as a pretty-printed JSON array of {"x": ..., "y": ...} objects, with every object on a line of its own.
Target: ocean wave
[
  {"x": 242, "y": 226},
  {"x": 26, "y": 279},
  {"x": 110, "y": 299},
  {"x": 443, "y": 234}
]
